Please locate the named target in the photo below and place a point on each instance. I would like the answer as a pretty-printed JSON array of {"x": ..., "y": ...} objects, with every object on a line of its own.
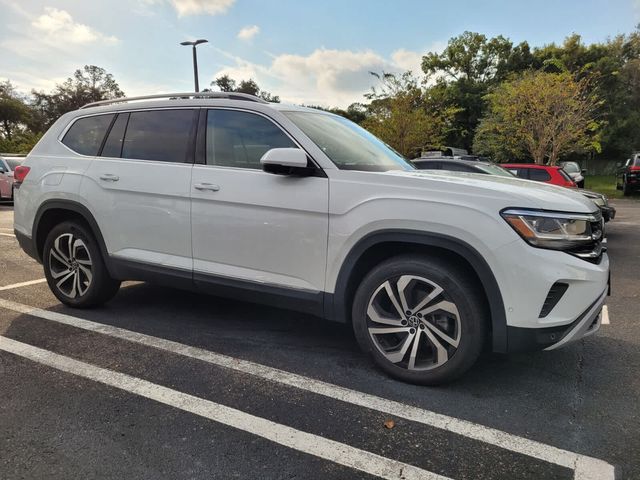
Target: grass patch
[{"x": 605, "y": 184}]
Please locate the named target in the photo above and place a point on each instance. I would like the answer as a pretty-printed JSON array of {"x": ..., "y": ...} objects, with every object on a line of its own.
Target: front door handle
[
  {"x": 109, "y": 177},
  {"x": 206, "y": 186}
]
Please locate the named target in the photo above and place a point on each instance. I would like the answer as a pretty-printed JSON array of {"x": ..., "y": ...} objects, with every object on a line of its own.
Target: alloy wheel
[
  {"x": 70, "y": 265},
  {"x": 413, "y": 323}
]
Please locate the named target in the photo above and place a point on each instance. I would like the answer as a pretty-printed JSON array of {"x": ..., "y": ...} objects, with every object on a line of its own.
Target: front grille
[
  {"x": 553, "y": 297},
  {"x": 592, "y": 252}
]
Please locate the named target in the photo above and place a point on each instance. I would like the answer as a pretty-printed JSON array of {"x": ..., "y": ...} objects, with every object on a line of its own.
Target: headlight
[{"x": 555, "y": 230}]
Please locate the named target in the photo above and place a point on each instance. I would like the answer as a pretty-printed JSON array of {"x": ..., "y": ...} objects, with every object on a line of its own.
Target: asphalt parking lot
[{"x": 162, "y": 383}]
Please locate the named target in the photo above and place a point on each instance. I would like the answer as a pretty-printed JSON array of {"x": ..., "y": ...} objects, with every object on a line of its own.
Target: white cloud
[
  {"x": 247, "y": 33},
  {"x": 326, "y": 77},
  {"x": 59, "y": 25},
  {"x": 408, "y": 60},
  {"x": 198, "y": 7}
]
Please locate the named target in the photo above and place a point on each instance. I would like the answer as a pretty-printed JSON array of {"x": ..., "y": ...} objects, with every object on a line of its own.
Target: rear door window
[
  {"x": 456, "y": 167},
  {"x": 539, "y": 175},
  {"x": 86, "y": 134},
  {"x": 161, "y": 135}
]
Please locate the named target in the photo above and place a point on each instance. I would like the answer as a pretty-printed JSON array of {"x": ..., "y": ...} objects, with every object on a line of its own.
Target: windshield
[
  {"x": 13, "y": 163},
  {"x": 495, "y": 170},
  {"x": 571, "y": 167},
  {"x": 347, "y": 145}
]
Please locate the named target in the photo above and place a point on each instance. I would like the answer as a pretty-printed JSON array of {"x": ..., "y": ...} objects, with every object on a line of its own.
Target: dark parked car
[
  {"x": 454, "y": 164},
  {"x": 628, "y": 175}
]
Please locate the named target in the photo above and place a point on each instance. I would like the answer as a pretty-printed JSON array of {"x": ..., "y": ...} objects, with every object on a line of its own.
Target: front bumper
[{"x": 531, "y": 339}]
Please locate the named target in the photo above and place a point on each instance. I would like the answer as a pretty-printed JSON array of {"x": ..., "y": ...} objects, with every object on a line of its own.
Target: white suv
[{"x": 303, "y": 209}]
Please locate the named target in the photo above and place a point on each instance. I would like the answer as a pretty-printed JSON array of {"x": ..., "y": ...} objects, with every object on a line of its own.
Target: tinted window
[
  {"x": 162, "y": 135},
  {"x": 240, "y": 139},
  {"x": 519, "y": 172},
  {"x": 113, "y": 145},
  {"x": 539, "y": 175},
  {"x": 456, "y": 167},
  {"x": 637, "y": 162},
  {"x": 428, "y": 165},
  {"x": 86, "y": 134}
]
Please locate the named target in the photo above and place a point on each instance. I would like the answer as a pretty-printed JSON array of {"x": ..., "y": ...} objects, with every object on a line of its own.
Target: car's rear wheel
[
  {"x": 422, "y": 319},
  {"x": 74, "y": 267}
]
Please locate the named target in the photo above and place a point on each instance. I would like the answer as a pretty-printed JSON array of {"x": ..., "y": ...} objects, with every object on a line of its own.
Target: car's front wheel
[
  {"x": 74, "y": 267},
  {"x": 422, "y": 320}
]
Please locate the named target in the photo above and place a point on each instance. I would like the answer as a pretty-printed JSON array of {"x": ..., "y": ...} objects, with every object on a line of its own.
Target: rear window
[
  {"x": 86, "y": 134},
  {"x": 539, "y": 175},
  {"x": 162, "y": 135},
  {"x": 565, "y": 175},
  {"x": 636, "y": 162}
]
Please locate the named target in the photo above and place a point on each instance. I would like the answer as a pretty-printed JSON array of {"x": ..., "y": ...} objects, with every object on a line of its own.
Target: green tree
[
  {"x": 16, "y": 121},
  {"x": 461, "y": 75},
  {"x": 88, "y": 84},
  {"x": 544, "y": 114},
  {"x": 403, "y": 116},
  {"x": 227, "y": 84}
]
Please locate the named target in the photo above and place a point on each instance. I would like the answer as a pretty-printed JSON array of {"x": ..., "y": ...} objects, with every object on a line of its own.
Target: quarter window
[
  {"x": 162, "y": 135},
  {"x": 86, "y": 134},
  {"x": 539, "y": 175},
  {"x": 240, "y": 139}
]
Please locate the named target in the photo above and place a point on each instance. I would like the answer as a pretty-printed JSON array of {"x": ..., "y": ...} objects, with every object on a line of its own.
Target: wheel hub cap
[
  {"x": 413, "y": 322},
  {"x": 70, "y": 265}
]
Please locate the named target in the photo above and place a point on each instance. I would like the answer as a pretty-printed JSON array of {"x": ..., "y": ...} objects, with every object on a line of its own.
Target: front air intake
[{"x": 553, "y": 297}]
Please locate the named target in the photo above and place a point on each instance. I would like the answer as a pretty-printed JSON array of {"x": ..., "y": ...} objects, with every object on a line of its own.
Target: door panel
[
  {"x": 252, "y": 225},
  {"x": 142, "y": 204}
]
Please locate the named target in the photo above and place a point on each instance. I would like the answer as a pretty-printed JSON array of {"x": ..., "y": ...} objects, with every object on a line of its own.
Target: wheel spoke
[
  {"x": 429, "y": 298},
  {"x": 386, "y": 330},
  {"x": 451, "y": 341},
  {"x": 87, "y": 273},
  {"x": 64, "y": 258},
  {"x": 377, "y": 318},
  {"x": 414, "y": 351},
  {"x": 396, "y": 356},
  {"x": 57, "y": 275},
  {"x": 70, "y": 247},
  {"x": 392, "y": 296},
  {"x": 55, "y": 254},
  {"x": 441, "y": 353},
  {"x": 71, "y": 276},
  {"x": 444, "y": 305}
]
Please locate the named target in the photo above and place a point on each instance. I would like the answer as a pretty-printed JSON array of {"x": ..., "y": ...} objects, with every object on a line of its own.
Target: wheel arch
[
  {"x": 379, "y": 246},
  {"x": 53, "y": 212}
]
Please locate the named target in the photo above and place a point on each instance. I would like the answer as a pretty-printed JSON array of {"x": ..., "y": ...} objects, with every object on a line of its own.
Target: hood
[{"x": 514, "y": 192}]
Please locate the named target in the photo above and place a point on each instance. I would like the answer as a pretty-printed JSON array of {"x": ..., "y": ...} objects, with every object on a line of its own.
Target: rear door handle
[
  {"x": 206, "y": 186},
  {"x": 109, "y": 177}
]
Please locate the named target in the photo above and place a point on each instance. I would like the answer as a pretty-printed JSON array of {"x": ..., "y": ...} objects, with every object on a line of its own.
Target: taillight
[{"x": 20, "y": 173}]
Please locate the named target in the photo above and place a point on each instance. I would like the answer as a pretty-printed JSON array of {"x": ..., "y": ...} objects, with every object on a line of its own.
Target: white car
[
  {"x": 303, "y": 209},
  {"x": 575, "y": 172},
  {"x": 8, "y": 164}
]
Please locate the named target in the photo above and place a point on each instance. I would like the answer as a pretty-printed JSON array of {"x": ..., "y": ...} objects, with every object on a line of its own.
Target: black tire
[
  {"x": 458, "y": 288},
  {"x": 99, "y": 289}
]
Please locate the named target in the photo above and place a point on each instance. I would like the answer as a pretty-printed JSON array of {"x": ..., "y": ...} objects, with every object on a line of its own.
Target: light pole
[{"x": 195, "y": 59}]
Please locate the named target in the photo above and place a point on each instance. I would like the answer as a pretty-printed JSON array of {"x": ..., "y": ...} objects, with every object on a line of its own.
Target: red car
[{"x": 541, "y": 173}]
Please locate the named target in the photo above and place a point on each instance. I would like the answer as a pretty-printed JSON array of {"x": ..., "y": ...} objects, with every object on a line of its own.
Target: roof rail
[{"x": 227, "y": 95}]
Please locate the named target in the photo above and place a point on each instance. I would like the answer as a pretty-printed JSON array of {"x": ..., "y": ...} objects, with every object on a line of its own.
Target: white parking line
[
  {"x": 605, "y": 316},
  {"x": 7, "y": 234},
  {"x": 331, "y": 450},
  {"x": 585, "y": 468},
  {"x": 23, "y": 284}
]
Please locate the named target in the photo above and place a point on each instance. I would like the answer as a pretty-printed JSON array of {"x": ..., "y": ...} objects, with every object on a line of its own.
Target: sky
[{"x": 311, "y": 52}]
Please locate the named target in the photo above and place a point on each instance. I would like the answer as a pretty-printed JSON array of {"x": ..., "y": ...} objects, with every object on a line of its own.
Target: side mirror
[
  {"x": 583, "y": 172},
  {"x": 286, "y": 161}
]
